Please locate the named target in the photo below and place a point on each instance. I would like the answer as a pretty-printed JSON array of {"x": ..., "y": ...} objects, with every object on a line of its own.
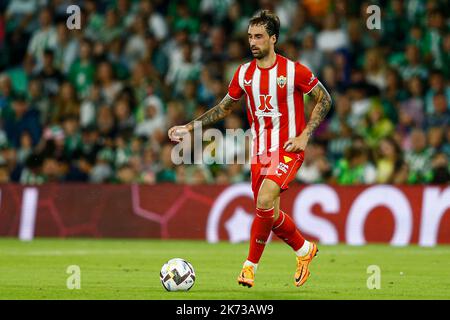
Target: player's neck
[{"x": 268, "y": 61}]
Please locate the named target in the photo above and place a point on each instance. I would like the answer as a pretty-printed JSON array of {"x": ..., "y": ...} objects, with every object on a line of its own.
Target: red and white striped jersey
[{"x": 275, "y": 109}]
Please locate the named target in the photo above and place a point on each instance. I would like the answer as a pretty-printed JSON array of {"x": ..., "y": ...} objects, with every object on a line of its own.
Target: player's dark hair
[{"x": 269, "y": 20}]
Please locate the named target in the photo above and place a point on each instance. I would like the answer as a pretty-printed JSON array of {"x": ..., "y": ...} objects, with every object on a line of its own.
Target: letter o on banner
[{"x": 371, "y": 198}]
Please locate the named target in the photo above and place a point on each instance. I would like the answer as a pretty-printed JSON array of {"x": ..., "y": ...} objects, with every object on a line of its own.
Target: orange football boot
[
  {"x": 302, "y": 273},
  {"x": 247, "y": 276}
]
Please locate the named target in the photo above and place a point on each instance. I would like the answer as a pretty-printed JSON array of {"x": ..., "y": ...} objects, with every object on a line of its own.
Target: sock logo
[{"x": 260, "y": 241}]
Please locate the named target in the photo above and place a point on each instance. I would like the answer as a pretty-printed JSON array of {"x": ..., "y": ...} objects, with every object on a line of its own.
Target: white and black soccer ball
[{"x": 177, "y": 275}]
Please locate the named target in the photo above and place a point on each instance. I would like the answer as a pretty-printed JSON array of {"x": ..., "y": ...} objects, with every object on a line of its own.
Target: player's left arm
[{"x": 323, "y": 105}]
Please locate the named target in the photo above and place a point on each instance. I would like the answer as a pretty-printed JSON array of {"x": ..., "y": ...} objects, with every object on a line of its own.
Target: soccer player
[{"x": 274, "y": 87}]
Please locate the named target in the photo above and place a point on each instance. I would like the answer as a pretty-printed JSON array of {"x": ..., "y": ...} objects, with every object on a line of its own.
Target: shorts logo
[
  {"x": 287, "y": 159},
  {"x": 282, "y": 167},
  {"x": 281, "y": 81}
]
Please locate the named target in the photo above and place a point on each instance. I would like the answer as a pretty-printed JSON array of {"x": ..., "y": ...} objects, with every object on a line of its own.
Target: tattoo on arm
[
  {"x": 323, "y": 105},
  {"x": 215, "y": 114}
]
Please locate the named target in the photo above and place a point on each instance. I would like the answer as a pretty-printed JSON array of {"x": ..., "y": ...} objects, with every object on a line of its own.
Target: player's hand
[
  {"x": 177, "y": 133},
  {"x": 297, "y": 144}
]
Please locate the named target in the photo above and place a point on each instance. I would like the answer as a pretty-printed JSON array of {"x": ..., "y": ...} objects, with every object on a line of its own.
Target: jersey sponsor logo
[
  {"x": 281, "y": 81},
  {"x": 265, "y": 109}
]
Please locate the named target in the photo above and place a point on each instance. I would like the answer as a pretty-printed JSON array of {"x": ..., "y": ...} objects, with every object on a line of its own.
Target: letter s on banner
[
  {"x": 318, "y": 227},
  {"x": 382, "y": 195}
]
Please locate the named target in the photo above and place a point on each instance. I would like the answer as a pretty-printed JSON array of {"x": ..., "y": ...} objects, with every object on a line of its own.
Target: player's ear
[{"x": 273, "y": 38}]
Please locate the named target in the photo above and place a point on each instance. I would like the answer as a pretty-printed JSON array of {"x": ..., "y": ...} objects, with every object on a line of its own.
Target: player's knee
[
  {"x": 276, "y": 214},
  {"x": 265, "y": 201}
]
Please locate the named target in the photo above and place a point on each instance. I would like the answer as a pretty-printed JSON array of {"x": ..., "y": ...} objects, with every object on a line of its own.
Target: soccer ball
[{"x": 177, "y": 275}]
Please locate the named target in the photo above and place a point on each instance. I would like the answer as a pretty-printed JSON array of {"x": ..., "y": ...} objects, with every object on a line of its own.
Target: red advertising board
[{"x": 329, "y": 214}]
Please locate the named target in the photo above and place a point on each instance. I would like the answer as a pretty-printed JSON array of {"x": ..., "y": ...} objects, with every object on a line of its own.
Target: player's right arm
[{"x": 213, "y": 115}]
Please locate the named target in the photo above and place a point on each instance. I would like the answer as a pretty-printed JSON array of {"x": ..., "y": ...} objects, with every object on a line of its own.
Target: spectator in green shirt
[
  {"x": 377, "y": 125},
  {"x": 355, "y": 168},
  {"x": 419, "y": 158},
  {"x": 82, "y": 71},
  {"x": 166, "y": 172},
  {"x": 111, "y": 29},
  {"x": 391, "y": 168}
]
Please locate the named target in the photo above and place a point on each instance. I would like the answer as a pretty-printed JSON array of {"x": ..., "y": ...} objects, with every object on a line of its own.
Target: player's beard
[{"x": 260, "y": 53}]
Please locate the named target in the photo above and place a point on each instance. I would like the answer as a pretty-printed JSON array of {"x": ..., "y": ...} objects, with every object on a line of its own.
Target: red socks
[
  {"x": 263, "y": 224},
  {"x": 259, "y": 233},
  {"x": 287, "y": 231}
]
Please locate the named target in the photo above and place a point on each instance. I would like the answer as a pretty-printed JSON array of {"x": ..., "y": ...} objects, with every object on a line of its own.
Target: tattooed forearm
[
  {"x": 323, "y": 105},
  {"x": 215, "y": 114}
]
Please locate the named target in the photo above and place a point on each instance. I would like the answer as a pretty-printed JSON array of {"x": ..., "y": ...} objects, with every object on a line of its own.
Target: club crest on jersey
[
  {"x": 281, "y": 81},
  {"x": 265, "y": 109}
]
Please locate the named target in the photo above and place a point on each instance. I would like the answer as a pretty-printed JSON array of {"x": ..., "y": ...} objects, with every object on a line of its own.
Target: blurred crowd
[{"x": 94, "y": 104}]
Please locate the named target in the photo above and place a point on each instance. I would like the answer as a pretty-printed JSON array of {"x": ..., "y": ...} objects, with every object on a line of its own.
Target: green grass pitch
[{"x": 129, "y": 269}]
